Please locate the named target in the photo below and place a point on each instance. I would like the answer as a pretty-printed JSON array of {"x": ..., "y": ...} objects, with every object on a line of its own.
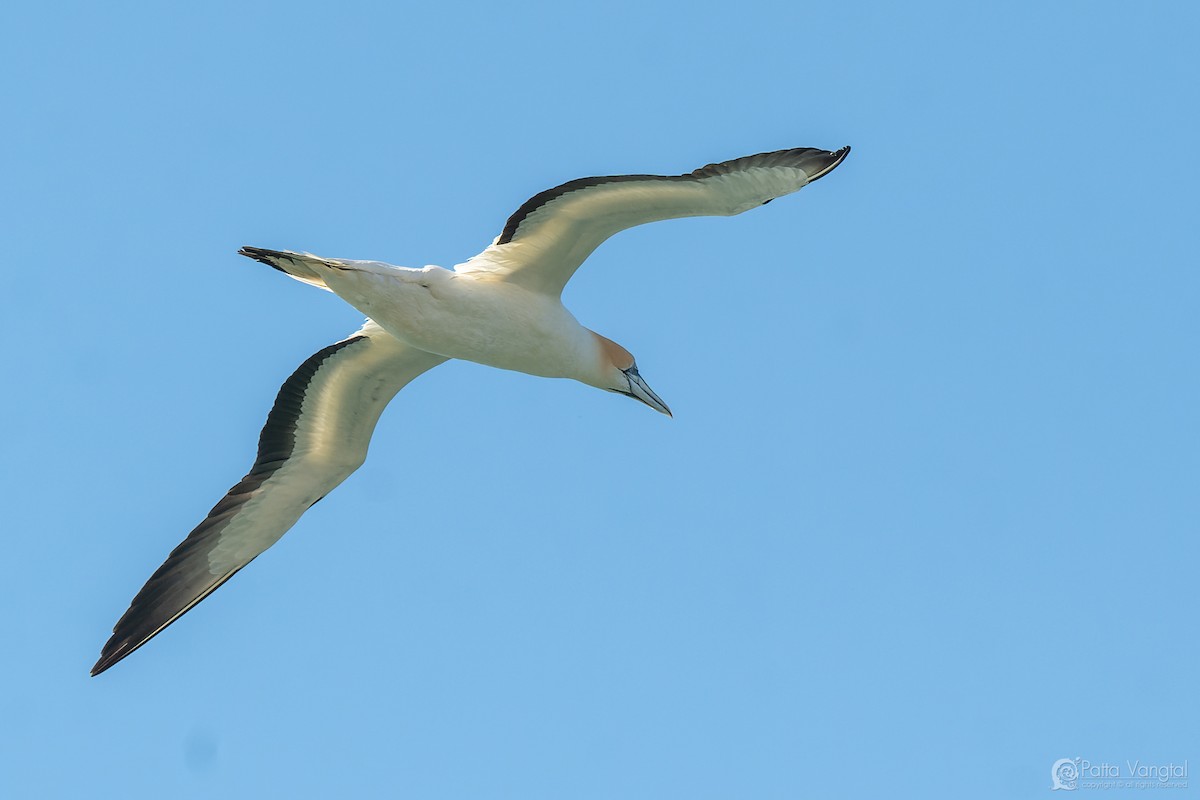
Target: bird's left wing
[
  {"x": 315, "y": 436},
  {"x": 548, "y": 237}
]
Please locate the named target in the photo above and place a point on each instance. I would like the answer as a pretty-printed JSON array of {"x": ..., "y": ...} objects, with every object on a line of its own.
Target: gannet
[{"x": 501, "y": 308}]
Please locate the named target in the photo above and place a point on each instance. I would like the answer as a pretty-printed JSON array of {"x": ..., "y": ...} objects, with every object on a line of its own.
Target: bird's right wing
[
  {"x": 315, "y": 436},
  {"x": 553, "y": 232}
]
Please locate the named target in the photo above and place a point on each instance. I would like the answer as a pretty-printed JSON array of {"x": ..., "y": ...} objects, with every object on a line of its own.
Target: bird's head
[{"x": 618, "y": 372}]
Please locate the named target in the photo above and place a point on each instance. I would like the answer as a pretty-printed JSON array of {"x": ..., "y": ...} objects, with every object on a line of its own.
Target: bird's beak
[{"x": 639, "y": 390}]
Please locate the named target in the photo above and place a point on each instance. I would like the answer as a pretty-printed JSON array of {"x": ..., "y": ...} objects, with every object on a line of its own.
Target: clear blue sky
[{"x": 925, "y": 520}]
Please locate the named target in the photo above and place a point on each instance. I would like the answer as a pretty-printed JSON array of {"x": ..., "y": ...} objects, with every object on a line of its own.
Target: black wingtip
[
  {"x": 110, "y": 656},
  {"x": 130, "y": 634},
  {"x": 99, "y": 667},
  {"x": 119, "y": 646},
  {"x": 831, "y": 163}
]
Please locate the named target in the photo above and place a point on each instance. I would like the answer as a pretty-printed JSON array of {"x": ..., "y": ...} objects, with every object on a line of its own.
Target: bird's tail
[{"x": 301, "y": 266}]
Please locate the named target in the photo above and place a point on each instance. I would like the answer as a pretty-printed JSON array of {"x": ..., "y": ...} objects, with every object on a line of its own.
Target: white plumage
[{"x": 501, "y": 308}]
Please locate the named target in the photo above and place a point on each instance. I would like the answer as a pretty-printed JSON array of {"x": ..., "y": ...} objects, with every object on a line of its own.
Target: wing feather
[
  {"x": 553, "y": 232},
  {"x": 315, "y": 436}
]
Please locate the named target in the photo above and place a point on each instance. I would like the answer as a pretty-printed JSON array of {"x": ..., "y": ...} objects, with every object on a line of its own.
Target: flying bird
[{"x": 502, "y": 308}]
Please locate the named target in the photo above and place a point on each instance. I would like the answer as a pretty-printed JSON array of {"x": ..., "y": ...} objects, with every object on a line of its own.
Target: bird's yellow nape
[{"x": 618, "y": 356}]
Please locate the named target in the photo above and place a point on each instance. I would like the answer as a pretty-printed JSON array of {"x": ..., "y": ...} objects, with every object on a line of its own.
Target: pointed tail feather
[{"x": 297, "y": 265}]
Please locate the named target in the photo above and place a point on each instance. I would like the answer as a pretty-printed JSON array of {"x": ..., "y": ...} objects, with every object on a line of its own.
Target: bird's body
[
  {"x": 469, "y": 316},
  {"x": 502, "y": 308}
]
